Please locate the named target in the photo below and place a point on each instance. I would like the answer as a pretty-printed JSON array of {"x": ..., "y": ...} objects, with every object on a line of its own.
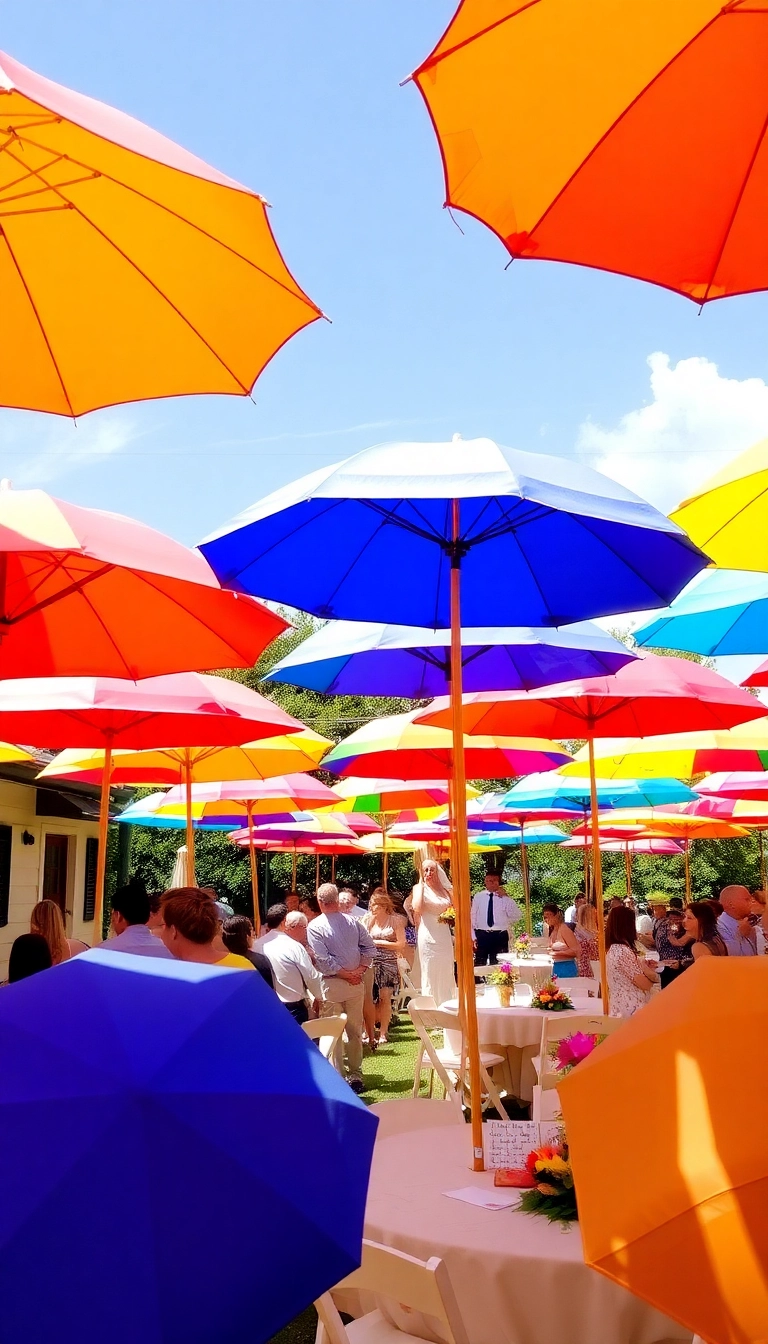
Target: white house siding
[{"x": 17, "y": 809}]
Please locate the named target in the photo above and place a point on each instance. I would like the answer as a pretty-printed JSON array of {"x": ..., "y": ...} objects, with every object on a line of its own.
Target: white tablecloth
[
  {"x": 518, "y": 1279},
  {"x": 532, "y": 970},
  {"x": 514, "y": 1032}
]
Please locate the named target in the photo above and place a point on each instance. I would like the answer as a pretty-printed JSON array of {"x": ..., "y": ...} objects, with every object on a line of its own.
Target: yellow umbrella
[
  {"x": 287, "y": 754},
  {"x": 10, "y": 754},
  {"x": 129, "y": 268},
  {"x": 676, "y": 755},
  {"x": 728, "y": 515}
]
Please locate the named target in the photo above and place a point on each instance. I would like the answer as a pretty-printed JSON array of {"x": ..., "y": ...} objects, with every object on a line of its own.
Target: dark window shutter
[
  {"x": 6, "y": 840},
  {"x": 89, "y": 889}
]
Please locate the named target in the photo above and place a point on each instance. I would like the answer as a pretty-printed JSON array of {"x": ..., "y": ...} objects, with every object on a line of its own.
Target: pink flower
[{"x": 572, "y": 1049}]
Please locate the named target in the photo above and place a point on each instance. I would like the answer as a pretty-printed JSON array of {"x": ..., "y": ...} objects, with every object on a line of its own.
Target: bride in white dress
[{"x": 430, "y": 898}]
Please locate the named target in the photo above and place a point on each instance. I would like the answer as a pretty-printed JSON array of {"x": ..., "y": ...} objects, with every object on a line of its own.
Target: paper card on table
[
  {"x": 483, "y": 1198},
  {"x": 507, "y": 1143}
]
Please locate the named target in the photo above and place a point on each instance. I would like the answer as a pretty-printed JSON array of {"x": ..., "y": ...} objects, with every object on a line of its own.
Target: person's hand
[
  {"x": 745, "y": 927},
  {"x": 316, "y": 1006}
]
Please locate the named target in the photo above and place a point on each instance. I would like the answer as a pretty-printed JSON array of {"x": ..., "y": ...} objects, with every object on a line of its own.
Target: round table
[
  {"x": 518, "y": 1279},
  {"x": 514, "y": 1032}
]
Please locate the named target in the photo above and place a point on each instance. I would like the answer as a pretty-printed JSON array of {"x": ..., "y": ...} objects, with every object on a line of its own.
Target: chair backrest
[
  {"x": 415, "y": 1284},
  {"x": 426, "y": 1017},
  {"x": 409, "y": 1113},
  {"x": 595, "y": 968},
  {"x": 582, "y": 987},
  {"x": 326, "y": 1031}
]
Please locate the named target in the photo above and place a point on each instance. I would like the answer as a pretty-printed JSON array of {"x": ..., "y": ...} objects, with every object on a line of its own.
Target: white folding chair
[
  {"x": 582, "y": 987},
  {"x": 595, "y": 969},
  {"x": 408, "y": 990},
  {"x": 409, "y": 1113},
  {"x": 545, "y": 1103},
  {"x": 451, "y": 1068},
  {"x": 405, "y": 1286},
  {"x": 327, "y": 1032}
]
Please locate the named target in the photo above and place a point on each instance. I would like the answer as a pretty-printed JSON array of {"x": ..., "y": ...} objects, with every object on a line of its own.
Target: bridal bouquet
[
  {"x": 447, "y": 917},
  {"x": 524, "y": 946}
]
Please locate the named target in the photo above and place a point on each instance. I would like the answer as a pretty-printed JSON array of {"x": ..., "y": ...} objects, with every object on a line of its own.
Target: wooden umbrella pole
[
  {"x": 333, "y": 867},
  {"x": 254, "y": 870},
  {"x": 586, "y": 868},
  {"x": 687, "y": 872},
  {"x": 628, "y": 868},
  {"x": 384, "y": 855},
  {"x": 101, "y": 857},
  {"x": 762, "y": 859},
  {"x": 524, "y": 873},
  {"x": 317, "y": 872},
  {"x": 190, "y": 827},
  {"x": 461, "y": 853},
  {"x": 597, "y": 877},
  {"x": 457, "y": 931},
  {"x": 293, "y": 871}
]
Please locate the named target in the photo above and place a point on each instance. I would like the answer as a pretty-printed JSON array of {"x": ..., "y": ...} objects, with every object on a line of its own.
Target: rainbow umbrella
[
  {"x": 289, "y": 753},
  {"x": 363, "y": 658},
  {"x": 682, "y": 755},
  {"x": 681, "y": 826},
  {"x": 749, "y": 785},
  {"x": 398, "y": 746}
]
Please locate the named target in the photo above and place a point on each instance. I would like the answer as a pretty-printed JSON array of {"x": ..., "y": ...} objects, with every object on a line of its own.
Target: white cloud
[
  {"x": 37, "y": 449},
  {"x": 696, "y": 421}
]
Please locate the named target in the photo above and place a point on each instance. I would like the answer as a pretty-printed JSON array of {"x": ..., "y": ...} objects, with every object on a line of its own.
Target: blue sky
[{"x": 430, "y": 335}]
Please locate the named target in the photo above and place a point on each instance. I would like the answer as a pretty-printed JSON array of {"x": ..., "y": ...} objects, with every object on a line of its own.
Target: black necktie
[{"x": 490, "y": 910}]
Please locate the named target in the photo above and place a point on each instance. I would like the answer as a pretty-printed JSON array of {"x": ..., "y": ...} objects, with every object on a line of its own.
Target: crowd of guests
[{"x": 654, "y": 944}]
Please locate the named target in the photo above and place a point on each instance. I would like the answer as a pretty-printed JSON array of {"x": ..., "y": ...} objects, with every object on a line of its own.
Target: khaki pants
[{"x": 341, "y": 997}]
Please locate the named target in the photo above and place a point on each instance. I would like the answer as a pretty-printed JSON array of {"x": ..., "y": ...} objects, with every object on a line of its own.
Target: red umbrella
[
  {"x": 759, "y": 677},
  {"x": 104, "y": 712},
  {"x": 88, "y": 593},
  {"x": 319, "y": 845},
  {"x": 648, "y": 696}
]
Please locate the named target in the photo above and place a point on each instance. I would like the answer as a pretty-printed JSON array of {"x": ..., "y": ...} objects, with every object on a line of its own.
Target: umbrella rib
[
  {"x": 427, "y": 533},
  {"x": 147, "y": 578},
  {"x": 352, "y": 563},
  {"x": 126, "y": 186},
  {"x": 581, "y": 521},
  {"x": 38, "y": 319},
  {"x": 76, "y": 586},
  {"x": 737, "y": 203},
  {"x": 435, "y": 59},
  {"x": 617, "y": 121}
]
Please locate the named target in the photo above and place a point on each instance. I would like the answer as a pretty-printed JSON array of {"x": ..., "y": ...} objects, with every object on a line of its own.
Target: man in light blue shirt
[
  {"x": 734, "y": 927},
  {"x": 130, "y": 914},
  {"x": 343, "y": 949}
]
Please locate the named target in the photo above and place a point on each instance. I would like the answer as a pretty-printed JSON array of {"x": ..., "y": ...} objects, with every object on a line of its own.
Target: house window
[
  {"x": 89, "y": 889},
  {"x": 6, "y": 837}
]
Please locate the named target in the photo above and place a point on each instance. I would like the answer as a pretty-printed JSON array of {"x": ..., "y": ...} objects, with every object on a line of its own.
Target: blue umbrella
[
  {"x": 156, "y": 1091},
  {"x": 542, "y": 833},
  {"x": 540, "y": 540},
  {"x": 723, "y": 611},
  {"x": 362, "y": 658},
  {"x": 433, "y": 535}
]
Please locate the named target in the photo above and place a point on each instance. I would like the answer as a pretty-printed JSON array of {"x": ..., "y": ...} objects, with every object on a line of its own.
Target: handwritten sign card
[{"x": 508, "y": 1142}]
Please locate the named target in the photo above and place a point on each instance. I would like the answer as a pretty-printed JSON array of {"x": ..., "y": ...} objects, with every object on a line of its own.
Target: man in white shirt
[
  {"x": 295, "y": 976},
  {"x": 273, "y": 920},
  {"x": 493, "y": 914},
  {"x": 734, "y": 925},
  {"x": 348, "y": 903},
  {"x": 573, "y": 910}
]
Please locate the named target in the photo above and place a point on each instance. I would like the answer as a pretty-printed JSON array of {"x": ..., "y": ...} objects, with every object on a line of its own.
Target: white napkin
[{"x": 485, "y": 1199}]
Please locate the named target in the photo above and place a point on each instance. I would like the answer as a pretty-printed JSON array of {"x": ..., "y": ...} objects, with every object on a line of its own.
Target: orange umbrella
[
  {"x": 128, "y": 267},
  {"x": 688, "y": 1229},
  {"x": 629, "y": 137},
  {"x": 89, "y": 593}
]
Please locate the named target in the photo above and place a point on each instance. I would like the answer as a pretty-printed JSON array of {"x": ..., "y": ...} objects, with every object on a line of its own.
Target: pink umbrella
[
  {"x": 743, "y": 784},
  {"x": 188, "y": 708},
  {"x": 627, "y": 847}
]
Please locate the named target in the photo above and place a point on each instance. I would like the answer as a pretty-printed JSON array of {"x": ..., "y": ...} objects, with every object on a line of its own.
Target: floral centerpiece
[
  {"x": 447, "y": 917},
  {"x": 505, "y": 977},
  {"x": 553, "y": 1193},
  {"x": 551, "y": 999},
  {"x": 524, "y": 946}
]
